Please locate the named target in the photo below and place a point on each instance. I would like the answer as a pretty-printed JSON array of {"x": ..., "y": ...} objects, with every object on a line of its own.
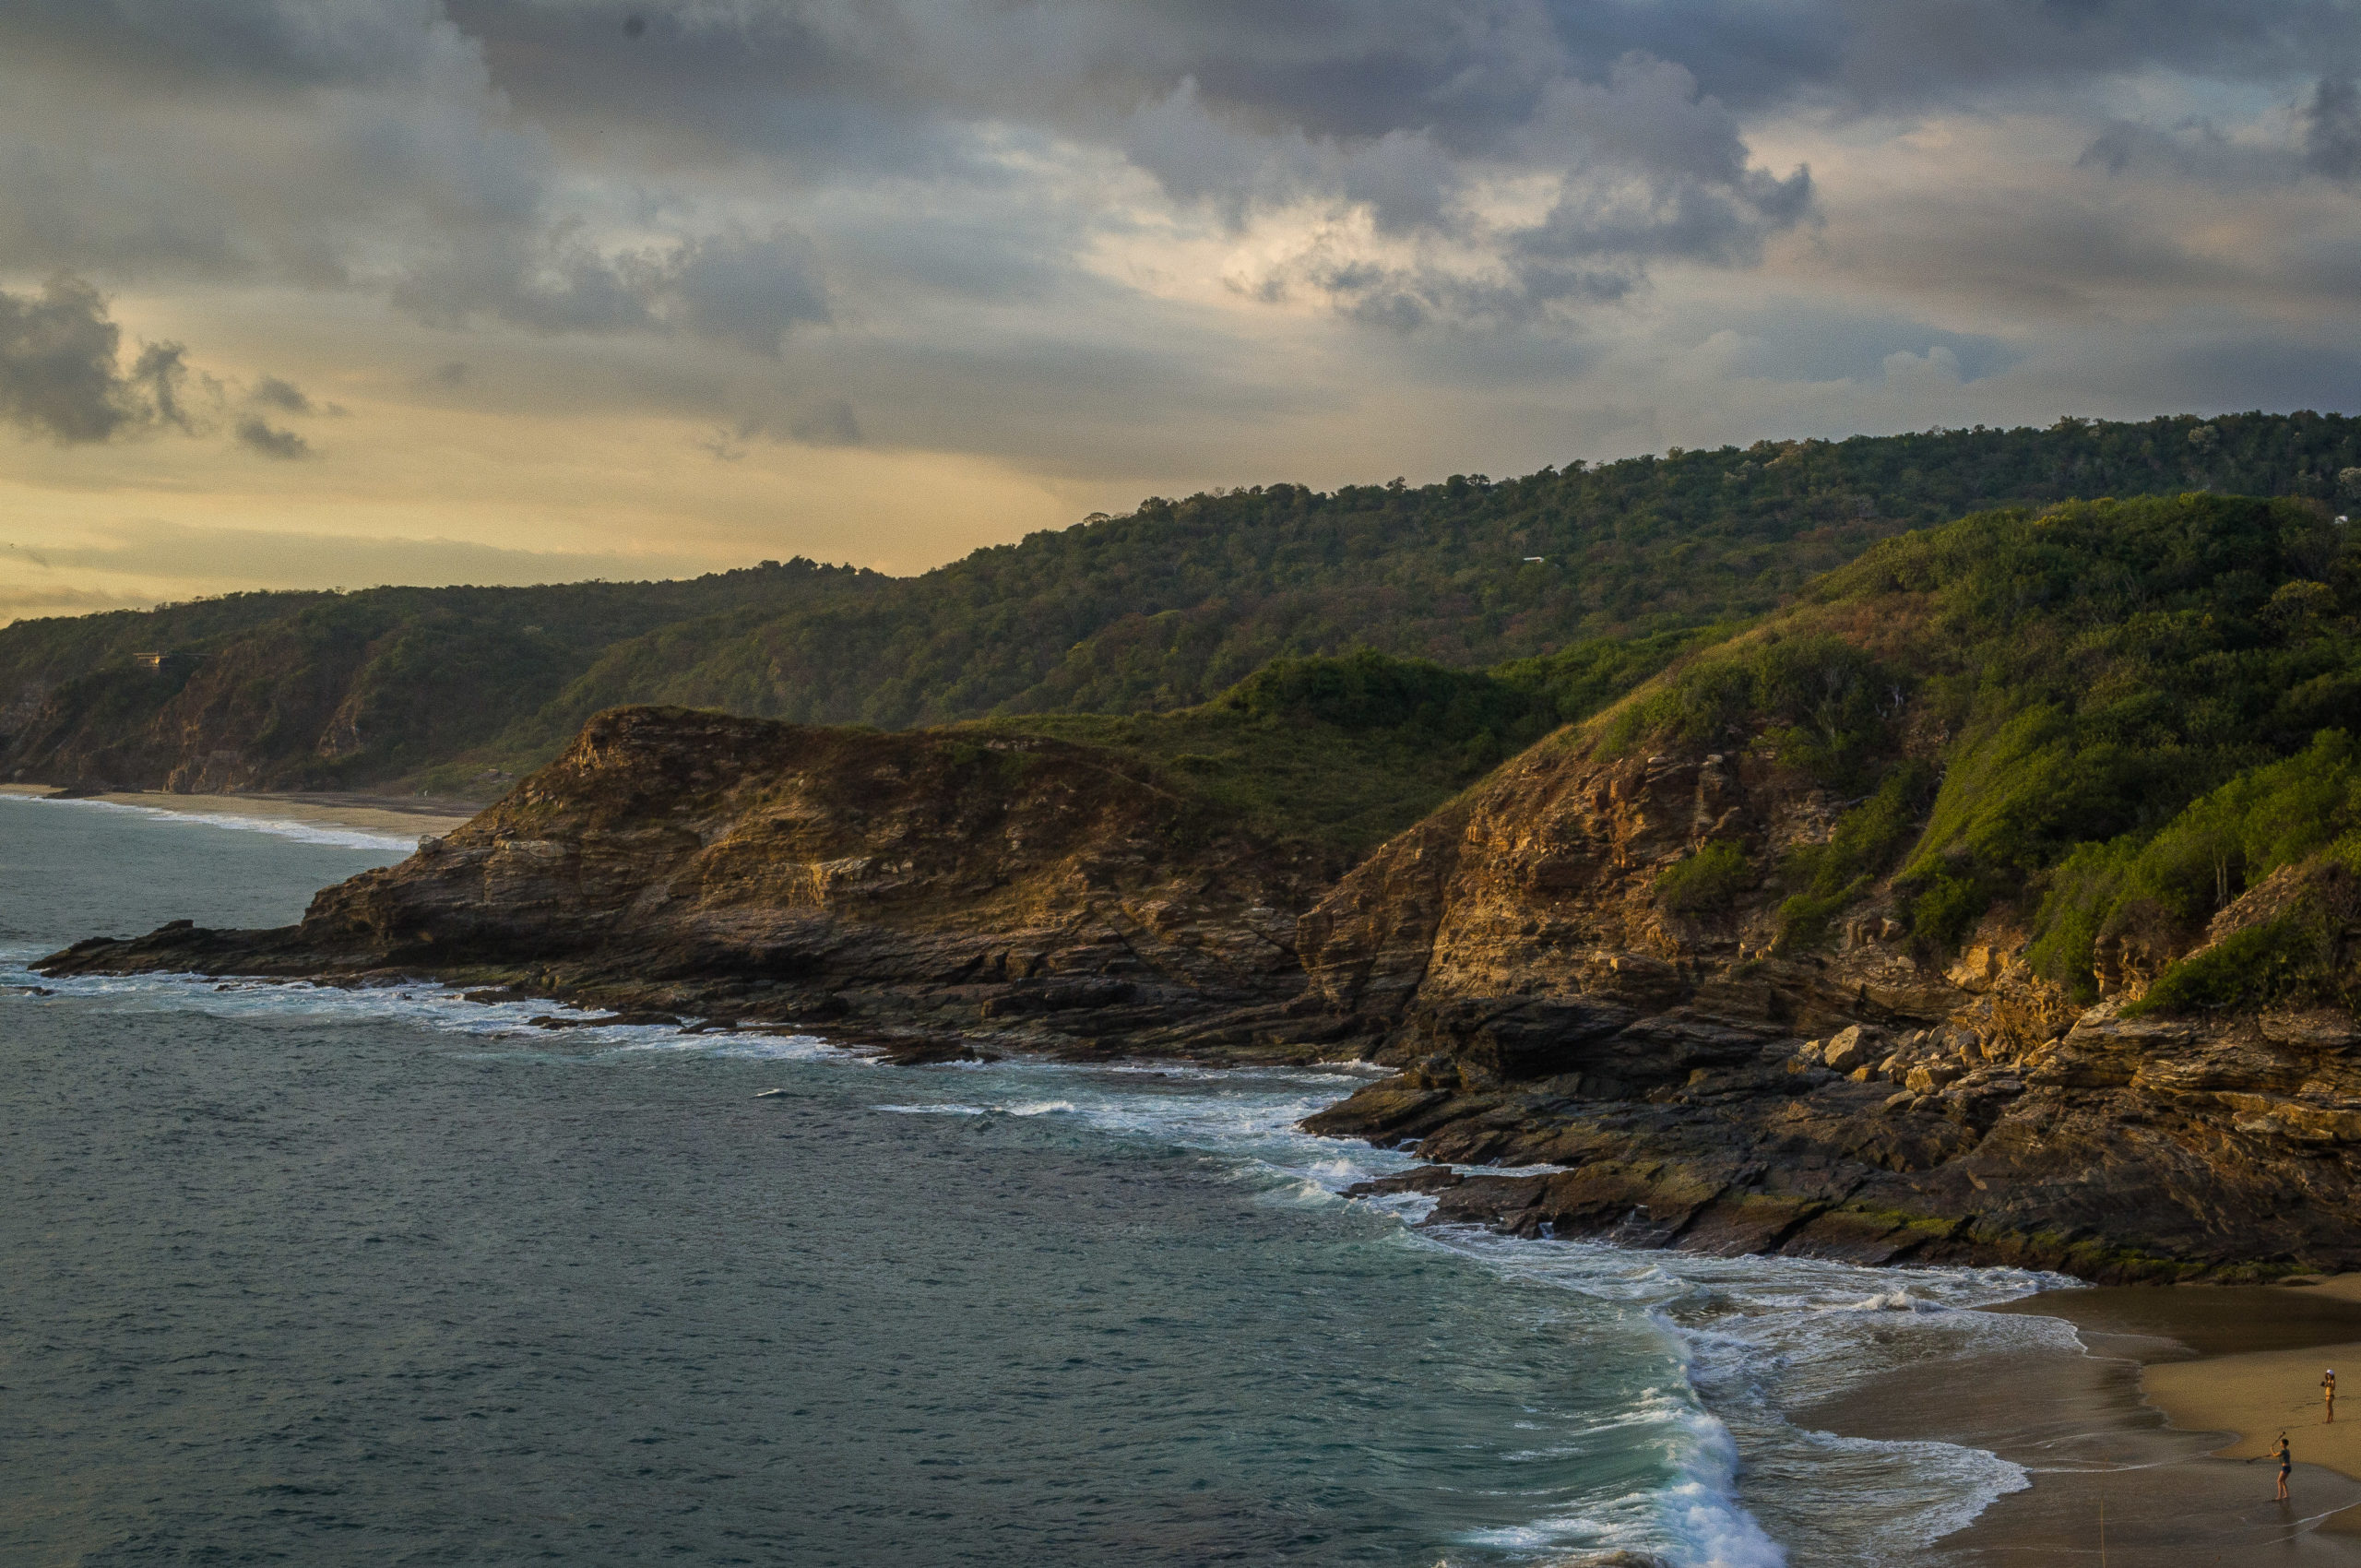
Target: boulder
[
  {"x": 1928, "y": 1076},
  {"x": 1851, "y": 1047}
]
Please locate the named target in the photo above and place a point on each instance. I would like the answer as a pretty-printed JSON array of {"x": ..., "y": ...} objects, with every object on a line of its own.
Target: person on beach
[
  {"x": 2328, "y": 1392},
  {"x": 2286, "y": 1463}
]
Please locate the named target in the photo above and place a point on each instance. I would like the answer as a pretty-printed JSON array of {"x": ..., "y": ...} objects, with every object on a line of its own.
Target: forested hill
[{"x": 1163, "y": 608}]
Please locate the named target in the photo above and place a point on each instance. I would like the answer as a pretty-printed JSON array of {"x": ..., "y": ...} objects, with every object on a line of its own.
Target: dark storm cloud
[
  {"x": 730, "y": 288},
  {"x": 271, "y": 44},
  {"x": 61, "y": 377},
  {"x": 955, "y": 214},
  {"x": 828, "y": 424},
  {"x": 1406, "y": 110},
  {"x": 1469, "y": 71},
  {"x": 60, "y": 374},
  {"x": 2332, "y": 128},
  {"x": 274, "y": 393},
  {"x": 745, "y": 290},
  {"x": 258, "y": 437}
]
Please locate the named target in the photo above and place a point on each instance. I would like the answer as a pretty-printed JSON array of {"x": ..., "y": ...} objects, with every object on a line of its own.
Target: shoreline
[
  {"x": 2148, "y": 1412},
  {"x": 391, "y": 816}
]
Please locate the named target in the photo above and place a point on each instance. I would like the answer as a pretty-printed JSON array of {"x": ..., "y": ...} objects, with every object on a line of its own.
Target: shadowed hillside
[
  {"x": 1163, "y": 609},
  {"x": 1998, "y": 901}
]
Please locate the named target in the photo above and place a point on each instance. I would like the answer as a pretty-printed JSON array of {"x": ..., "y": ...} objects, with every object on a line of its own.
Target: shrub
[
  {"x": 1817, "y": 696},
  {"x": 1708, "y": 879},
  {"x": 1863, "y": 843},
  {"x": 1947, "y": 909},
  {"x": 2262, "y": 964},
  {"x": 2215, "y": 849}
]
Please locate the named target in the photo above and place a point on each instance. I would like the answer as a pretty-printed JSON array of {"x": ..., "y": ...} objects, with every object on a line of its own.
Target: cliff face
[
  {"x": 915, "y": 888},
  {"x": 1549, "y": 997},
  {"x": 1516, "y": 957}
]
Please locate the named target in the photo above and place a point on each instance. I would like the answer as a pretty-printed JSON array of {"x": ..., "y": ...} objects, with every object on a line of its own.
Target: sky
[{"x": 339, "y": 292}]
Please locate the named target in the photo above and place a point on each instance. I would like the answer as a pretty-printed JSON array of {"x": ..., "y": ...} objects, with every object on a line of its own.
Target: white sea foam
[
  {"x": 1741, "y": 1328},
  {"x": 302, "y": 832},
  {"x": 1761, "y": 1336},
  {"x": 433, "y": 1007},
  {"x": 1751, "y": 1336}
]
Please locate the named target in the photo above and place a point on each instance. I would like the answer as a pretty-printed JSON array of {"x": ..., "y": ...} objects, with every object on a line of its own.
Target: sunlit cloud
[{"x": 515, "y": 274}]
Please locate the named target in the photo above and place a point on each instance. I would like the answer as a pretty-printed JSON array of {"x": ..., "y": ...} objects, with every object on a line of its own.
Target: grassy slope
[
  {"x": 1346, "y": 752},
  {"x": 2118, "y": 716}
]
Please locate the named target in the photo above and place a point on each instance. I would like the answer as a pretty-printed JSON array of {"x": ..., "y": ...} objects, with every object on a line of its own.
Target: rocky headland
[
  {"x": 1835, "y": 941},
  {"x": 925, "y": 892},
  {"x": 1698, "y": 1087},
  {"x": 1512, "y": 956}
]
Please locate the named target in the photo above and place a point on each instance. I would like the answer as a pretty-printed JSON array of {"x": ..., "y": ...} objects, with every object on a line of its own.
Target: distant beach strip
[{"x": 361, "y": 822}]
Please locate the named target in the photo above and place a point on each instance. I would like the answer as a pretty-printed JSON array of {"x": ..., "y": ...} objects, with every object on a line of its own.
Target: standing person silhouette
[
  {"x": 2328, "y": 1392},
  {"x": 2286, "y": 1463}
]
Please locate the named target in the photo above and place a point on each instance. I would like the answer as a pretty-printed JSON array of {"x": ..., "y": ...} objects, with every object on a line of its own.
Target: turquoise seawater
[{"x": 319, "y": 1277}]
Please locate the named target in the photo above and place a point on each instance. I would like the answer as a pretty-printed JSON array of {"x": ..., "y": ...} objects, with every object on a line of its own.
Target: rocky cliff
[
  {"x": 2000, "y": 901},
  {"x": 1516, "y": 957},
  {"x": 920, "y": 890}
]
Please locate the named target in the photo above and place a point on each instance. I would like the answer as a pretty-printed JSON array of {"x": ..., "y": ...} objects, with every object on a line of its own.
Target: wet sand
[
  {"x": 395, "y": 815},
  {"x": 2149, "y": 1413}
]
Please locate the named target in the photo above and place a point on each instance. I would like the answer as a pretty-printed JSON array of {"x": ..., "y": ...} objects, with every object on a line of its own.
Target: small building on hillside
[{"x": 157, "y": 663}]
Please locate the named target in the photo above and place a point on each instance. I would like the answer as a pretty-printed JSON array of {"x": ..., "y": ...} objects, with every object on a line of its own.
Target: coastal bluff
[
  {"x": 924, "y": 892},
  {"x": 1516, "y": 957},
  {"x": 1701, "y": 1085}
]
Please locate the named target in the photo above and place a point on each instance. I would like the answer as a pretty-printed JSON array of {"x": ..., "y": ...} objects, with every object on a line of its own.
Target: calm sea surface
[{"x": 323, "y": 1277}]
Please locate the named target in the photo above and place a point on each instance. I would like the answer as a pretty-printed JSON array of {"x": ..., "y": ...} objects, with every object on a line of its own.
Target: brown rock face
[
  {"x": 1515, "y": 954},
  {"x": 1702, "y": 1090},
  {"x": 895, "y": 885}
]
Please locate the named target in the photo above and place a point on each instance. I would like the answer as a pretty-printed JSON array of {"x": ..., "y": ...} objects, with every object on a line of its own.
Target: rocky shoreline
[{"x": 1514, "y": 956}]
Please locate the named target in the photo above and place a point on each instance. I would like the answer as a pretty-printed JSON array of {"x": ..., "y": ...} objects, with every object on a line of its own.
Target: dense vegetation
[
  {"x": 2119, "y": 714},
  {"x": 1345, "y": 751},
  {"x": 328, "y": 690},
  {"x": 1163, "y": 608}
]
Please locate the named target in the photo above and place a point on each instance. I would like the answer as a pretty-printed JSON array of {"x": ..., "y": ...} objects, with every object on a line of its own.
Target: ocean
[{"x": 383, "y": 1276}]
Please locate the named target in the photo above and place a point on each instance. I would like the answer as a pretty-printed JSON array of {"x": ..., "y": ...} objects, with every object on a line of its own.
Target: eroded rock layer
[
  {"x": 1686, "y": 1078},
  {"x": 1515, "y": 957},
  {"x": 918, "y": 889}
]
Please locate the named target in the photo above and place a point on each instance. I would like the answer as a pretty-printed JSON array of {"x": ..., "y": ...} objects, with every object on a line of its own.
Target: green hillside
[
  {"x": 2115, "y": 717},
  {"x": 1163, "y": 608},
  {"x": 1345, "y": 752},
  {"x": 333, "y": 690}
]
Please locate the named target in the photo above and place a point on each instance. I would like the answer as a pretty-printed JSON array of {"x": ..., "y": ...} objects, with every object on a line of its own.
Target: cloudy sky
[{"x": 320, "y": 292}]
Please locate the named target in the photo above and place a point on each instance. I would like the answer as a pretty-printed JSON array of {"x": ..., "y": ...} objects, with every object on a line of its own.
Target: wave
[
  {"x": 1747, "y": 1339},
  {"x": 1752, "y": 1338},
  {"x": 1764, "y": 1337},
  {"x": 424, "y": 1003},
  {"x": 302, "y": 832}
]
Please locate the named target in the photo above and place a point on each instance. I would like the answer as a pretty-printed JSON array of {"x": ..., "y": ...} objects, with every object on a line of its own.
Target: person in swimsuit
[
  {"x": 2328, "y": 1392},
  {"x": 2286, "y": 1463}
]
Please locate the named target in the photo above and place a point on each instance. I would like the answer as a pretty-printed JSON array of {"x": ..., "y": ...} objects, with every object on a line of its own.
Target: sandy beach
[
  {"x": 394, "y": 815},
  {"x": 2154, "y": 1415}
]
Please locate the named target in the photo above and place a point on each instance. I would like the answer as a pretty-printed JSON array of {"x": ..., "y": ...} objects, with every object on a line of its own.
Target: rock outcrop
[
  {"x": 1701, "y": 1088},
  {"x": 919, "y": 889},
  {"x": 1684, "y": 1077}
]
